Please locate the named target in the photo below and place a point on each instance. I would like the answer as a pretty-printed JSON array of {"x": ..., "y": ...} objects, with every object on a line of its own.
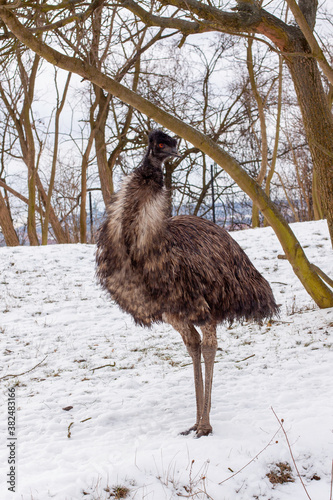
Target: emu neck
[
  {"x": 153, "y": 160},
  {"x": 151, "y": 168},
  {"x": 146, "y": 208}
]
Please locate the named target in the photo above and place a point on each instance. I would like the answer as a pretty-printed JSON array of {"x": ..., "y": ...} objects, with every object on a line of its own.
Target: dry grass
[
  {"x": 119, "y": 492},
  {"x": 281, "y": 473}
]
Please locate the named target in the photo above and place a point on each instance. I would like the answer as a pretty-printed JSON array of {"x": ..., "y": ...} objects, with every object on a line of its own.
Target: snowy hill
[{"x": 131, "y": 390}]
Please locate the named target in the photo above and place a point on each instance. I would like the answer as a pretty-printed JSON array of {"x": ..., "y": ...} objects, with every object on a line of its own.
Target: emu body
[{"x": 182, "y": 270}]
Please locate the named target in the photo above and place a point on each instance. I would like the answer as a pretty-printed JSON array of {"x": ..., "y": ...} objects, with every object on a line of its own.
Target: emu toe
[
  {"x": 188, "y": 431},
  {"x": 199, "y": 431},
  {"x": 203, "y": 431}
]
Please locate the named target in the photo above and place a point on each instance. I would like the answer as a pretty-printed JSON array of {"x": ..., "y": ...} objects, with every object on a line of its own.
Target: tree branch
[
  {"x": 81, "y": 17},
  {"x": 19, "y": 196},
  {"x": 311, "y": 39},
  {"x": 247, "y": 17},
  {"x": 185, "y": 27},
  {"x": 23, "y": 373},
  {"x": 323, "y": 275}
]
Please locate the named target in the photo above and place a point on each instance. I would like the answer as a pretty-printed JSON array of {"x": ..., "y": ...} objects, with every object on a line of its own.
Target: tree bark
[
  {"x": 305, "y": 15},
  {"x": 102, "y": 103},
  {"x": 6, "y": 224},
  {"x": 59, "y": 233},
  {"x": 277, "y": 134},
  {"x": 263, "y": 129},
  {"x": 318, "y": 124},
  {"x": 29, "y": 152},
  {"x": 104, "y": 171},
  {"x": 316, "y": 198}
]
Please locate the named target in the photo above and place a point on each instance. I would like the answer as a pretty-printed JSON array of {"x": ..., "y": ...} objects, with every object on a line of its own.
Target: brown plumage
[{"x": 183, "y": 270}]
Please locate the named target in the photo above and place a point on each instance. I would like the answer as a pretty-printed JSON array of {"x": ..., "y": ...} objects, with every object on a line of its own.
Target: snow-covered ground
[{"x": 131, "y": 389}]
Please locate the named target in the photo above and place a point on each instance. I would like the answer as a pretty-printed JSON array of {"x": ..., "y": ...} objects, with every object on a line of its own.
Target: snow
[{"x": 131, "y": 389}]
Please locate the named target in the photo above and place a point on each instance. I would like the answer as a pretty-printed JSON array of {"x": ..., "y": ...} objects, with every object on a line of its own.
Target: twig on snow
[
  {"x": 245, "y": 359},
  {"x": 103, "y": 366},
  {"x": 23, "y": 373},
  {"x": 69, "y": 433},
  {"x": 254, "y": 458},
  {"x": 291, "y": 452}
]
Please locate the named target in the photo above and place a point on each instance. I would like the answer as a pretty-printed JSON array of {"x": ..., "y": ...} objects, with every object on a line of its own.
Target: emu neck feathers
[
  {"x": 138, "y": 214},
  {"x": 150, "y": 169}
]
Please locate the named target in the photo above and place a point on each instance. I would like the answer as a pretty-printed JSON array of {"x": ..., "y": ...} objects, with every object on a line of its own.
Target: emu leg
[
  {"x": 208, "y": 348},
  {"x": 192, "y": 342},
  {"x": 195, "y": 353}
]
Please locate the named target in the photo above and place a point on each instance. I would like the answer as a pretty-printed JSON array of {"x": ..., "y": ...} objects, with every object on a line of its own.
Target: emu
[{"x": 183, "y": 270}]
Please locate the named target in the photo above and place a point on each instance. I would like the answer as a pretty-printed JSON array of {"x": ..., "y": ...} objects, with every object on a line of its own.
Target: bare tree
[
  {"x": 24, "y": 128},
  {"x": 17, "y": 94}
]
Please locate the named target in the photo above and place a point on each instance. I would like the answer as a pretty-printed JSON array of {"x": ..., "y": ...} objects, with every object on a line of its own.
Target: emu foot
[
  {"x": 188, "y": 431},
  {"x": 203, "y": 431},
  {"x": 199, "y": 431}
]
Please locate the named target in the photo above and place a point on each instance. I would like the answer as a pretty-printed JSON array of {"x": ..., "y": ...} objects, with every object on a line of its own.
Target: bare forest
[{"x": 246, "y": 86}]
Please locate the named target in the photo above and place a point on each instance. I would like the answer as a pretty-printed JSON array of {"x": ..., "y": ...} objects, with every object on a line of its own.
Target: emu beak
[{"x": 174, "y": 152}]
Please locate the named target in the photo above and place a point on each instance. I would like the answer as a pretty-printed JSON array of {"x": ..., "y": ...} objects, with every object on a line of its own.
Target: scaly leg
[
  {"x": 192, "y": 342},
  {"x": 208, "y": 348},
  {"x": 195, "y": 353}
]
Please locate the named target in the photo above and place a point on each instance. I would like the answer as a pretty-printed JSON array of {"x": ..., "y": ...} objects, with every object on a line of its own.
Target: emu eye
[{"x": 161, "y": 145}]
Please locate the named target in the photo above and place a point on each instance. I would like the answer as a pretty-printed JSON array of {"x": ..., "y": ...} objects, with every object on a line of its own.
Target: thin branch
[
  {"x": 103, "y": 366},
  {"x": 245, "y": 359},
  {"x": 291, "y": 452},
  {"x": 20, "y": 196},
  {"x": 24, "y": 373},
  {"x": 80, "y": 17},
  {"x": 254, "y": 458},
  {"x": 185, "y": 27}
]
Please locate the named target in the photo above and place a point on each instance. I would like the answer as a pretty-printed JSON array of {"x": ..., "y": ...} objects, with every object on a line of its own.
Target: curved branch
[
  {"x": 185, "y": 27},
  {"x": 247, "y": 17}
]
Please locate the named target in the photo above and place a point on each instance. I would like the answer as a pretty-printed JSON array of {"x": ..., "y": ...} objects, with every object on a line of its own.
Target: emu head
[{"x": 161, "y": 146}]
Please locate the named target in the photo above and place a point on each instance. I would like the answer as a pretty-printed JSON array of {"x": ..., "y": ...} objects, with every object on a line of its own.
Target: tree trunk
[
  {"x": 84, "y": 170},
  {"x": 6, "y": 224},
  {"x": 317, "y": 207},
  {"x": 45, "y": 225},
  {"x": 83, "y": 201},
  {"x": 263, "y": 129},
  {"x": 105, "y": 174},
  {"x": 32, "y": 233},
  {"x": 318, "y": 124},
  {"x": 277, "y": 134},
  {"x": 59, "y": 233},
  {"x": 102, "y": 102}
]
